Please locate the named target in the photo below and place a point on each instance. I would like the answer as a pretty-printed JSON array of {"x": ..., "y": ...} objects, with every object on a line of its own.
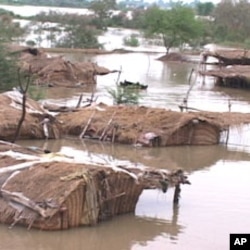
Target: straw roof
[
  {"x": 10, "y": 114},
  {"x": 56, "y": 71},
  {"x": 132, "y": 123},
  {"x": 233, "y": 71},
  {"x": 55, "y": 191},
  {"x": 229, "y": 56}
]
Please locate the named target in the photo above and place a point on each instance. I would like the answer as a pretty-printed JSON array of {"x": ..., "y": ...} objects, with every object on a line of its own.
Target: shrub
[
  {"x": 131, "y": 41},
  {"x": 125, "y": 95}
]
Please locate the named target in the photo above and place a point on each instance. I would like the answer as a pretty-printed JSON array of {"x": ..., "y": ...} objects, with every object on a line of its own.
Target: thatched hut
[
  {"x": 235, "y": 76},
  {"x": 141, "y": 125},
  {"x": 57, "y": 71},
  {"x": 228, "y": 56},
  {"x": 33, "y": 126},
  {"x": 149, "y": 126},
  {"x": 55, "y": 191}
]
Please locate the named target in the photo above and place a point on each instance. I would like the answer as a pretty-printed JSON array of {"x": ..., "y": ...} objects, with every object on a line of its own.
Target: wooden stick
[
  {"x": 114, "y": 133},
  {"x": 118, "y": 77},
  {"x": 110, "y": 127},
  {"x": 177, "y": 192},
  {"x": 107, "y": 126},
  {"x": 23, "y": 200},
  {"x": 79, "y": 101},
  {"x": 87, "y": 125}
]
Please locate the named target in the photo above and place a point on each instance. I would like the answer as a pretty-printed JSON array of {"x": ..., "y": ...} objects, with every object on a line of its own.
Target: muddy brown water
[{"x": 215, "y": 205}]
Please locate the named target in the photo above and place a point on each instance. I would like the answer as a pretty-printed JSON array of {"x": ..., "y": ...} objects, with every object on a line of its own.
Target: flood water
[{"x": 215, "y": 205}]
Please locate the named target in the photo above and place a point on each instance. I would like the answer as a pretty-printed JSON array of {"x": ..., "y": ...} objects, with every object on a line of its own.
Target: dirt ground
[{"x": 174, "y": 57}]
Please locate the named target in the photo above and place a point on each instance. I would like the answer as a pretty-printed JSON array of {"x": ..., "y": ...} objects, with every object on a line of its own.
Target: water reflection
[
  {"x": 121, "y": 233},
  {"x": 168, "y": 83},
  {"x": 190, "y": 158}
]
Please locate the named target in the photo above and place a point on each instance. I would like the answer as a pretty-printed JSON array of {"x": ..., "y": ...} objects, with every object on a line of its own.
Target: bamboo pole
[
  {"x": 114, "y": 133},
  {"x": 25, "y": 201},
  {"x": 177, "y": 192},
  {"x": 79, "y": 101},
  {"x": 87, "y": 125},
  {"x": 107, "y": 126}
]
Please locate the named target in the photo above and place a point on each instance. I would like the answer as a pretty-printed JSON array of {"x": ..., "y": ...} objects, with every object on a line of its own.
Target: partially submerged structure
[
  {"x": 38, "y": 123},
  {"x": 134, "y": 125},
  {"x": 56, "y": 71},
  {"x": 235, "y": 76},
  {"x": 228, "y": 56},
  {"x": 149, "y": 126},
  {"x": 233, "y": 67},
  {"x": 55, "y": 191}
]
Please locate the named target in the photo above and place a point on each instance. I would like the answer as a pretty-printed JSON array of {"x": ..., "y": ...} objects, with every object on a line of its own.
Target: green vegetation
[
  {"x": 196, "y": 23},
  {"x": 8, "y": 69},
  {"x": 77, "y": 36},
  {"x": 131, "y": 41},
  {"x": 9, "y": 31},
  {"x": 60, "y": 3},
  {"x": 66, "y": 30},
  {"x": 123, "y": 95},
  {"x": 232, "y": 21},
  {"x": 204, "y": 9},
  {"x": 176, "y": 26},
  {"x": 103, "y": 11}
]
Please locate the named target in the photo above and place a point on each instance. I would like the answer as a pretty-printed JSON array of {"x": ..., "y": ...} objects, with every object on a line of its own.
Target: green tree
[
  {"x": 8, "y": 69},
  {"x": 175, "y": 26},
  {"x": 77, "y": 36},
  {"x": 131, "y": 41},
  {"x": 204, "y": 9},
  {"x": 9, "y": 32},
  {"x": 67, "y": 30},
  {"x": 232, "y": 20},
  {"x": 103, "y": 10}
]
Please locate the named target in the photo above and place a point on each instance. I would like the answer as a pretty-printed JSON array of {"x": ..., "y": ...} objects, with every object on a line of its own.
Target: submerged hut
[
  {"x": 234, "y": 76},
  {"x": 56, "y": 71},
  {"x": 149, "y": 126},
  {"x": 55, "y": 191},
  {"x": 228, "y": 56},
  {"x": 141, "y": 126},
  {"x": 233, "y": 71},
  {"x": 37, "y": 124}
]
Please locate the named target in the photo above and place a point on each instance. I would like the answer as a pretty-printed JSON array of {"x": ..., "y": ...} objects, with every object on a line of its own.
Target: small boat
[{"x": 135, "y": 85}]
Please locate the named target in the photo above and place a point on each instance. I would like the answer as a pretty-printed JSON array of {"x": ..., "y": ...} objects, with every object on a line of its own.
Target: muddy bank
[
  {"x": 174, "y": 57},
  {"x": 56, "y": 192}
]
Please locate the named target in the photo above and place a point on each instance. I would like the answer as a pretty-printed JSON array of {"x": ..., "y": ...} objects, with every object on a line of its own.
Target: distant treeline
[{"x": 58, "y": 3}]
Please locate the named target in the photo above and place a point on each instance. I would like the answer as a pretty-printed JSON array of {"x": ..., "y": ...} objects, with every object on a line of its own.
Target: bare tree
[{"x": 23, "y": 89}]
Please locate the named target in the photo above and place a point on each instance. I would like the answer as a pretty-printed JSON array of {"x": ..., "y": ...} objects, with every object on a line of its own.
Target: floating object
[{"x": 135, "y": 85}]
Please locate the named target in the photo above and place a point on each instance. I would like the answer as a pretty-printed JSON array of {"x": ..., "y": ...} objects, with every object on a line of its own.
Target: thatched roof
[
  {"x": 55, "y": 191},
  {"x": 229, "y": 56},
  {"x": 10, "y": 114},
  {"x": 131, "y": 125},
  {"x": 56, "y": 71},
  {"x": 235, "y": 76},
  {"x": 235, "y": 71}
]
